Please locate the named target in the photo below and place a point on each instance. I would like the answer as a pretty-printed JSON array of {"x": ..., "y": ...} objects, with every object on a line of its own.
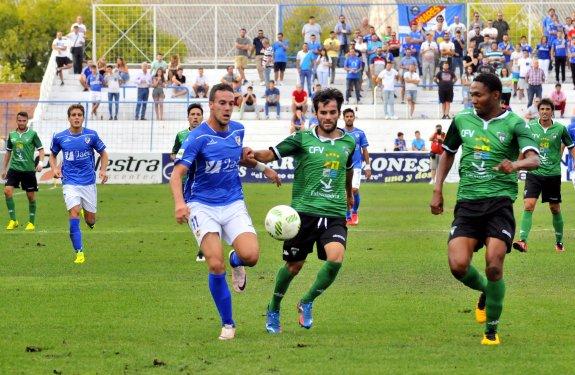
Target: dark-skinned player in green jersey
[
  {"x": 552, "y": 138},
  {"x": 491, "y": 140}
]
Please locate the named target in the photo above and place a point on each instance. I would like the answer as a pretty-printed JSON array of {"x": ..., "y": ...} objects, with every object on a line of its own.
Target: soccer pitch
[{"x": 140, "y": 303}]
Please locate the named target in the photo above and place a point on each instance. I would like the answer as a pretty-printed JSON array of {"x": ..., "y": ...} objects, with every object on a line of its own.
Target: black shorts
[
  {"x": 548, "y": 186},
  {"x": 483, "y": 218},
  {"x": 62, "y": 60},
  {"x": 314, "y": 230},
  {"x": 445, "y": 95},
  {"x": 280, "y": 66},
  {"x": 26, "y": 179}
]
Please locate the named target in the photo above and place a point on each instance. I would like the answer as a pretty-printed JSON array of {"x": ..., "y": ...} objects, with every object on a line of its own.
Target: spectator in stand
[
  {"x": 570, "y": 29},
  {"x": 544, "y": 53},
  {"x": 86, "y": 73},
  {"x": 96, "y": 82},
  {"x": 515, "y": 56},
  {"x": 559, "y": 99},
  {"x": 485, "y": 46},
  {"x": 60, "y": 45},
  {"x": 249, "y": 103},
  {"x": 316, "y": 89},
  {"x": 387, "y": 78},
  {"x": 272, "y": 96},
  {"x": 466, "y": 81},
  {"x": 304, "y": 65},
  {"x": 80, "y": 23},
  {"x": 485, "y": 66},
  {"x": 298, "y": 122},
  {"x": 446, "y": 50},
  {"x": 532, "y": 111},
  {"x": 143, "y": 80},
  {"x": 524, "y": 65},
  {"x": 458, "y": 26},
  {"x": 458, "y": 52},
  {"x": 554, "y": 28},
  {"x": 243, "y": 47},
  {"x": 489, "y": 30},
  {"x": 476, "y": 37},
  {"x": 393, "y": 47},
  {"x": 200, "y": 85},
  {"x": 123, "y": 70},
  {"x": 495, "y": 56},
  {"x": 159, "y": 83},
  {"x": 178, "y": 82},
  {"x": 507, "y": 49},
  {"x": 547, "y": 21},
  {"x": 559, "y": 54},
  {"x": 525, "y": 45},
  {"x": 373, "y": 45},
  {"x": 436, "y": 140},
  {"x": 406, "y": 61},
  {"x": 343, "y": 32},
  {"x": 173, "y": 66},
  {"x": 311, "y": 27},
  {"x": 280, "y": 58},
  {"x": 378, "y": 62},
  {"x": 471, "y": 59},
  {"x": 77, "y": 43},
  {"x": 501, "y": 26},
  {"x": 418, "y": 144},
  {"x": 323, "y": 66},
  {"x": 440, "y": 26},
  {"x": 411, "y": 79},
  {"x": 268, "y": 60},
  {"x": 235, "y": 81},
  {"x": 429, "y": 51},
  {"x": 258, "y": 48},
  {"x": 416, "y": 38},
  {"x": 507, "y": 84},
  {"x": 476, "y": 22},
  {"x": 314, "y": 46},
  {"x": 112, "y": 80},
  {"x": 299, "y": 99},
  {"x": 360, "y": 47},
  {"x": 399, "y": 143},
  {"x": 571, "y": 56},
  {"x": 535, "y": 78},
  {"x": 445, "y": 79},
  {"x": 352, "y": 66},
  {"x": 364, "y": 27},
  {"x": 159, "y": 63},
  {"x": 101, "y": 64},
  {"x": 331, "y": 46}
]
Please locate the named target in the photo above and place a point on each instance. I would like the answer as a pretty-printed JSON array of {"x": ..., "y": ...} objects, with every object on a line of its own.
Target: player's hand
[
  {"x": 182, "y": 213},
  {"x": 3, "y": 175},
  {"x": 436, "y": 203},
  {"x": 57, "y": 173},
  {"x": 350, "y": 201},
  {"x": 273, "y": 176},
  {"x": 103, "y": 176},
  {"x": 248, "y": 153},
  {"x": 39, "y": 167},
  {"x": 506, "y": 166},
  {"x": 367, "y": 173}
]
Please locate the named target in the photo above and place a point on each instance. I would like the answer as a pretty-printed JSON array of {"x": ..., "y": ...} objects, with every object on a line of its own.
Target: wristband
[
  {"x": 367, "y": 168},
  {"x": 260, "y": 167}
]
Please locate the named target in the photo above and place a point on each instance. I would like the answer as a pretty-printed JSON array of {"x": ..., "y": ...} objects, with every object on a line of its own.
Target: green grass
[{"x": 395, "y": 308}]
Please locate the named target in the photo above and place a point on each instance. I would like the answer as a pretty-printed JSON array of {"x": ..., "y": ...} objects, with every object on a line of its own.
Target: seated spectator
[
  {"x": 418, "y": 144},
  {"x": 315, "y": 89},
  {"x": 86, "y": 73},
  {"x": 112, "y": 80},
  {"x": 159, "y": 63},
  {"x": 123, "y": 71},
  {"x": 533, "y": 110},
  {"x": 249, "y": 103},
  {"x": 272, "y": 96},
  {"x": 485, "y": 66},
  {"x": 236, "y": 82},
  {"x": 297, "y": 122},
  {"x": 200, "y": 85},
  {"x": 60, "y": 45},
  {"x": 95, "y": 82},
  {"x": 299, "y": 99},
  {"x": 559, "y": 99},
  {"x": 179, "y": 84},
  {"x": 173, "y": 66},
  {"x": 101, "y": 64},
  {"x": 399, "y": 143}
]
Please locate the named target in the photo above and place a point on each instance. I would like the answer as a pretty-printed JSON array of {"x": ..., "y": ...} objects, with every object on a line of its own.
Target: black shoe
[
  {"x": 200, "y": 257},
  {"x": 143, "y": 118},
  {"x": 110, "y": 118},
  {"x": 61, "y": 83},
  {"x": 85, "y": 90},
  {"x": 115, "y": 117},
  {"x": 443, "y": 118}
]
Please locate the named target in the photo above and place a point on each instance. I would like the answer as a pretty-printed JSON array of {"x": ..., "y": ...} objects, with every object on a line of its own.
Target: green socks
[
  {"x": 494, "y": 293},
  {"x": 325, "y": 277},
  {"x": 32, "y": 211},
  {"x": 474, "y": 279},
  {"x": 526, "y": 222},
  {"x": 11, "y": 208},
  {"x": 283, "y": 279},
  {"x": 558, "y": 226}
]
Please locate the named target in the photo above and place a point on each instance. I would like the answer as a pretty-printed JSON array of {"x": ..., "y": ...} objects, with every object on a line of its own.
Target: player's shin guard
[
  {"x": 325, "y": 277},
  {"x": 283, "y": 279},
  {"x": 221, "y": 296},
  {"x": 526, "y": 222},
  {"x": 76, "y": 234},
  {"x": 356, "y": 200},
  {"x": 11, "y": 208},
  {"x": 494, "y": 293},
  {"x": 558, "y": 226},
  {"x": 235, "y": 260},
  {"x": 474, "y": 280},
  {"x": 32, "y": 211}
]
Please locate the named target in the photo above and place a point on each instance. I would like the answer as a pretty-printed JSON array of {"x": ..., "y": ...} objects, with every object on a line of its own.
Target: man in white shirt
[
  {"x": 457, "y": 25},
  {"x": 428, "y": 52},
  {"x": 77, "y": 42},
  {"x": 200, "y": 86},
  {"x": 80, "y": 23},
  {"x": 446, "y": 50},
  {"x": 411, "y": 79},
  {"x": 490, "y": 30},
  {"x": 60, "y": 45},
  {"x": 143, "y": 80},
  {"x": 524, "y": 65},
  {"x": 310, "y": 28},
  {"x": 387, "y": 78}
]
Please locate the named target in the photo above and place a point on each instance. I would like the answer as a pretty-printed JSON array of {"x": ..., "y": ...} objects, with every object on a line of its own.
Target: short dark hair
[
  {"x": 282, "y": 34},
  {"x": 547, "y": 102},
  {"x": 348, "y": 110},
  {"x": 326, "y": 95},
  {"x": 22, "y": 114},
  {"x": 110, "y": 66},
  {"x": 219, "y": 87},
  {"x": 76, "y": 106},
  {"x": 490, "y": 80},
  {"x": 400, "y": 134},
  {"x": 557, "y": 84},
  {"x": 197, "y": 106},
  {"x": 272, "y": 81}
]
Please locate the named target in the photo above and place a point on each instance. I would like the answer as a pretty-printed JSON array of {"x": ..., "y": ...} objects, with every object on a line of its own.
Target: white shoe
[
  {"x": 394, "y": 117},
  {"x": 228, "y": 332},
  {"x": 262, "y": 83},
  {"x": 239, "y": 278},
  {"x": 431, "y": 182},
  {"x": 386, "y": 117}
]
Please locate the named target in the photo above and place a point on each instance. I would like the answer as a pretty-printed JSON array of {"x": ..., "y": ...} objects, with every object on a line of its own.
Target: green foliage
[
  {"x": 11, "y": 73},
  {"x": 298, "y": 16}
]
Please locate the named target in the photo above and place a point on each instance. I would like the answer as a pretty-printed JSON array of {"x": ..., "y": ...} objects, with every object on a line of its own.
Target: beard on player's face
[{"x": 328, "y": 126}]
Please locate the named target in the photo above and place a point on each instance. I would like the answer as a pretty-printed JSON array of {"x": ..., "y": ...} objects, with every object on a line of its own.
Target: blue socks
[
  {"x": 222, "y": 297},
  {"x": 356, "y": 200},
  {"x": 76, "y": 234},
  {"x": 235, "y": 260}
]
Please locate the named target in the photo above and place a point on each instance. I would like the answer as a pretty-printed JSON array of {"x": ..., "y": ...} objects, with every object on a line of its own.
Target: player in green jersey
[
  {"x": 552, "y": 137},
  {"x": 491, "y": 139},
  {"x": 321, "y": 194},
  {"x": 195, "y": 118},
  {"x": 19, "y": 169}
]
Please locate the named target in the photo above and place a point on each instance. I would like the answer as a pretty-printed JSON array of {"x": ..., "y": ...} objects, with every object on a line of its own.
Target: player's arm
[
  {"x": 41, "y": 153},
  {"x": 5, "y": 162},
  {"x": 249, "y": 161},
  {"x": 177, "y": 145},
  {"x": 104, "y": 160},
  {"x": 348, "y": 182},
  {"x": 182, "y": 212},
  {"x": 528, "y": 148},
  {"x": 452, "y": 142},
  {"x": 367, "y": 168},
  {"x": 288, "y": 147},
  {"x": 54, "y": 150},
  {"x": 567, "y": 141}
]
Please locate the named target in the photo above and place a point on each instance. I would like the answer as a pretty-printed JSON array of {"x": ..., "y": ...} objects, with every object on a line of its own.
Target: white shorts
[
  {"x": 227, "y": 221},
  {"x": 79, "y": 195},
  {"x": 356, "y": 180},
  {"x": 95, "y": 96}
]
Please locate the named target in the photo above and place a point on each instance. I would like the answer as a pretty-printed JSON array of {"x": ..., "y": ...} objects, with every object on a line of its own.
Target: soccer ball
[{"x": 282, "y": 222}]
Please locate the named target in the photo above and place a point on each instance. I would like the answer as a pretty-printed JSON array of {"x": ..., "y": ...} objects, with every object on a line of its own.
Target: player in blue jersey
[
  {"x": 359, "y": 154},
  {"x": 77, "y": 172},
  {"x": 213, "y": 204}
]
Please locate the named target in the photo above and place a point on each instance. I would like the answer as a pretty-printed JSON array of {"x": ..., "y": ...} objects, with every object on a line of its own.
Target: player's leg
[
  {"x": 9, "y": 196},
  {"x": 89, "y": 204},
  {"x": 552, "y": 194},
  {"x": 352, "y": 217},
  {"x": 495, "y": 288},
  {"x": 73, "y": 204},
  {"x": 533, "y": 188},
  {"x": 30, "y": 185}
]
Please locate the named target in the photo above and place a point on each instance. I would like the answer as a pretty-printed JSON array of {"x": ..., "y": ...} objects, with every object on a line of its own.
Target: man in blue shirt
[
  {"x": 414, "y": 39},
  {"x": 353, "y": 77},
  {"x": 559, "y": 52},
  {"x": 213, "y": 205},
  {"x": 359, "y": 154},
  {"x": 304, "y": 63},
  {"x": 280, "y": 58},
  {"x": 314, "y": 46},
  {"x": 95, "y": 82},
  {"x": 418, "y": 144},
  {"x": 86, "y": 73},
  {"x": 78, "y": 173}
]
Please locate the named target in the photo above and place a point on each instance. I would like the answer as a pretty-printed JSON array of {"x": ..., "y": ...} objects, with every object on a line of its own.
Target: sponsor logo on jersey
[
  {"x": 87, "y": 140},
  {"x": 502, "y": 136},
  {"x": 467, "y": 133},
  {"x": 211, "y": 142},
  {"x": 238, "y": 140}
]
